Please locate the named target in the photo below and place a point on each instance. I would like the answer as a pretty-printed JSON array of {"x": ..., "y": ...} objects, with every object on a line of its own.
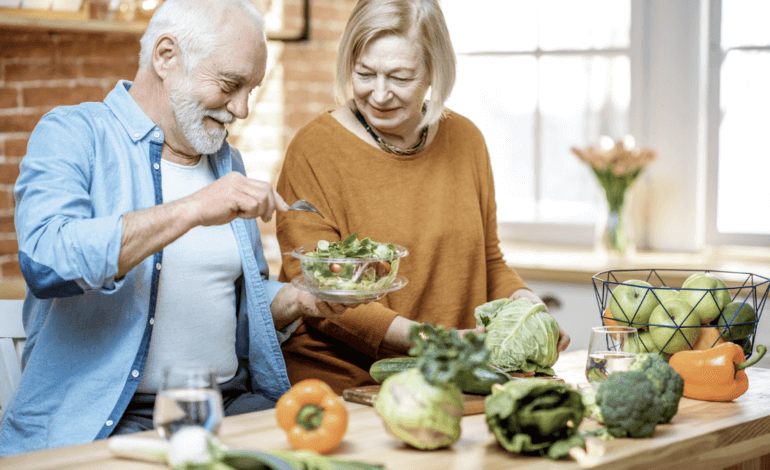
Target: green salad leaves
[
  {"x": 352, "y": 247},
  {"x": 521, "y": 336},
  {"x": 352, "y": 264}
]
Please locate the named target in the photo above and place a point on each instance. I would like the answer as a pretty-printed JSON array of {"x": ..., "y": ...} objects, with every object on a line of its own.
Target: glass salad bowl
[{"x": 350, "y": 271}]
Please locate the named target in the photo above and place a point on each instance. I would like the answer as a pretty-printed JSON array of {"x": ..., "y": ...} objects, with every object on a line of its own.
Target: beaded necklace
[{"x": 390, "y": 147}]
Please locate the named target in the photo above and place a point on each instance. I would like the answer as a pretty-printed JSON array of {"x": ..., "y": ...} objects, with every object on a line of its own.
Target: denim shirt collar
[{"x": 136, "y": 123}]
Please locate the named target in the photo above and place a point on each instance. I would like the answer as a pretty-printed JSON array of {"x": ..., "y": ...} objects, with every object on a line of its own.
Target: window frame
[
  {"x": 575, "y": 234},
  {"x": 715, "y": 59},
  {"x": 675, "y": 57}
]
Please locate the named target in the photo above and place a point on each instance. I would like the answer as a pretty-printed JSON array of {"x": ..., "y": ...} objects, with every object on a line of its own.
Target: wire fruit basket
[{"x": 709, "y": 308}]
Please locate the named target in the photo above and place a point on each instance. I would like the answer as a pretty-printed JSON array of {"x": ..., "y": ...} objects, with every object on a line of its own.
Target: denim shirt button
[
  {"x": 152, "y": 321},
  {"x": 109, "y": 422},
  {"x": 134, "y": 373},
  {"x": 136, "y": 135},
  {"x": 156, "y": 166},
  {"x": 156, "y": 134},
  {"x": 157, "y": 266}
]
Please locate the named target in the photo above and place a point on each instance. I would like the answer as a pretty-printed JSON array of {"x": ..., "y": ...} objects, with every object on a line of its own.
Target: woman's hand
[{"x": 564, "y": 338}]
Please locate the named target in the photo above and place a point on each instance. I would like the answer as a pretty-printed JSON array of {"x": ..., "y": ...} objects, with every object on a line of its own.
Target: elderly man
[{"x": 139, "y": 244}]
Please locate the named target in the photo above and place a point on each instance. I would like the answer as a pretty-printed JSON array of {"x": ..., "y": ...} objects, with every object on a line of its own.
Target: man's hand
[
  {"x": 236, "y": 196},
  {"x": 148, "y": 231},
  {"x": 291, "y": 303}
]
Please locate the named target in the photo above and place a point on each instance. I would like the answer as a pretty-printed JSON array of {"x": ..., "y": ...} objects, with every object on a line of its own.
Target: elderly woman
[{"x": 392, "y": 166}]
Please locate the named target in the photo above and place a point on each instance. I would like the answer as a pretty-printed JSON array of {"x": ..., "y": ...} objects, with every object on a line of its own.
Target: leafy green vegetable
[
  {"x": 536, "y": 416},
  {"x": 667, "y": 382},
  {"x": 521, "y": 336},
  {"x": 423, "y": 406},
  {"x": 375, "y": 267},
  {"x": 442, "y": 355},
  {"x": 352, "y": 247}
]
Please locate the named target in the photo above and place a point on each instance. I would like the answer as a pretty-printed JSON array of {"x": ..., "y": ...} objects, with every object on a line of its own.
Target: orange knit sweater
[{"x": 439, "y": 204}]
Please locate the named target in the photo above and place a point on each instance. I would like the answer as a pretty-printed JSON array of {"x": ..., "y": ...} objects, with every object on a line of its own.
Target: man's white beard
[{"x": 189, "y": 115}]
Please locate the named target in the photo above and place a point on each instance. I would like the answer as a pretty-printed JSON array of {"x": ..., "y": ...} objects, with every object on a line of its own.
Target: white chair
[{"x": 12, "y": 339}]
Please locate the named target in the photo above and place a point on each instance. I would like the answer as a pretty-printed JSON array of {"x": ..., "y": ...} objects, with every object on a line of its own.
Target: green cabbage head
[
  {"x": 424, "y": 416},
  {"x": 521, "y": 336}
]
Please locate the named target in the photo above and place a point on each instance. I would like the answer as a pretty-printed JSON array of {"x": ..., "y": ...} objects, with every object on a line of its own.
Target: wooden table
[{"x": 703, "y": 435}]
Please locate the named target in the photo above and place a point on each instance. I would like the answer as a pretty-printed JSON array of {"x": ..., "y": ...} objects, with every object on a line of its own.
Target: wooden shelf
[{"x": 50, "y": 20}]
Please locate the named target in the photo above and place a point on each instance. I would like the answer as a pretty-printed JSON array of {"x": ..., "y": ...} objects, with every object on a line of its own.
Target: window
[
  {"x": 539, "y": 77},
  {"x": 687, "y": 79},
  {"x": 739, "y": 155}
]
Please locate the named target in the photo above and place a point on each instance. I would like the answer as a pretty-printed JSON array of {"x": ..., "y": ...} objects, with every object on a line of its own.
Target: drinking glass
[
  {"x": 610, "y": 351},
  {"x": 187, "y": 396}
]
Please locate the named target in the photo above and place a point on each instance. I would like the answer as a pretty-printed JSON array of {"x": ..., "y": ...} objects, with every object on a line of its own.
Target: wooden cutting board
[
  {"x": 474, "y": 404},
  {"x": 366, "y": 395}
]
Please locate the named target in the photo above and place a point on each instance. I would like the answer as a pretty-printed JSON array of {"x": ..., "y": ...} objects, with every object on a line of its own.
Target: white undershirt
[{"x": 195, "y": 314}]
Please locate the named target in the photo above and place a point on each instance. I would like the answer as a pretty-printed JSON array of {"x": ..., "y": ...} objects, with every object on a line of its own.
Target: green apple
[
  {"x": 632, "y": 302},
  {"x": 674, "y": 327},
  {"x": 733, "y": 314},
  {"x": 707, "y": 294},
  {"x": 646, "y": 344},
  {"x": 664, "y": 293}
]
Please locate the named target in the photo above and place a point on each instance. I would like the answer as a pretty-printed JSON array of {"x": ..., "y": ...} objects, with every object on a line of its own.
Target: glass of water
[
  {"x": 188, "y": 396},
  {"x": 610, "y": 350}
]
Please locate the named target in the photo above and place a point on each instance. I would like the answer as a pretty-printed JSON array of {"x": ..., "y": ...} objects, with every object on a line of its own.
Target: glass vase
[{"x": 614, "y": 228}]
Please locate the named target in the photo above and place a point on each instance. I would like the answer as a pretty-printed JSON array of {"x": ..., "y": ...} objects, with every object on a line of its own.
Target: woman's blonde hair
[{"x": 421, "y": 20}]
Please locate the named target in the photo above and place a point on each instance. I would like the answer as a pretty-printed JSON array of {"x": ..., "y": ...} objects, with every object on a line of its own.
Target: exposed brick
[
  {"x": 309, "y": 74},
  {"x": 308, "y": 55},
  {"x": 19, "y": 122},
  {"x": 36, "y": 48},
  {"x": 58, "y": 96},
  {"x": 99, "y": 46},
  {"x": 7, "y": 225},
  {"x": 49, "y": 71},
  {"x": 8, "y": 173},
  {"x": 125, "y": 70},
  {"x": 15, "y": 147},
  {"x": 11, "y": 269},
  {"x": 9, "y": 98},
  {"x": 9, "y": 247},
  {"x": 7, "y": 201}
]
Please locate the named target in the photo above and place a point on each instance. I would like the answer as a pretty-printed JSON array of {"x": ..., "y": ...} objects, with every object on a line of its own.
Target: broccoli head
[
  {"x": 627, "y": 403},
  {"x": 669, "y": 385}
]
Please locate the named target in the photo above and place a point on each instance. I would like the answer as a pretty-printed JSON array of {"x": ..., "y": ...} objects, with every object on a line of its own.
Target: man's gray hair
[{"x": 196, "y": 25}]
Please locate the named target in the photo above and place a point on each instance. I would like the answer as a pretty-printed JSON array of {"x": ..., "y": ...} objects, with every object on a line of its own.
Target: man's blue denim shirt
[{"x": 89, "y": 333}]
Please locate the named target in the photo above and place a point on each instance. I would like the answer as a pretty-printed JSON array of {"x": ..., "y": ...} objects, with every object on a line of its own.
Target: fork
[{"x": 303, "y": 205}]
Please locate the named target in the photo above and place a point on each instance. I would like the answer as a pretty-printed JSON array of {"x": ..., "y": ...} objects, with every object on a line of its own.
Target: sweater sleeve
[
  {"x": 502, "y": 280},
  {"x": 308, "y": 174}
]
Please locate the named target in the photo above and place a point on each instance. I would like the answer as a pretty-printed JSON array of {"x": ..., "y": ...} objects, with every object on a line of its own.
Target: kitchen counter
[
  {"x": 578, "y": 265},
  {"x": 703, "y": 435}
]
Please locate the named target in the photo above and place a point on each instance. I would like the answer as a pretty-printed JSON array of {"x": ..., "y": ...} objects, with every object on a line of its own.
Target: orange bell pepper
[
  {"x": 715, "y": 374},
  {"x": 313, "y": 416}
]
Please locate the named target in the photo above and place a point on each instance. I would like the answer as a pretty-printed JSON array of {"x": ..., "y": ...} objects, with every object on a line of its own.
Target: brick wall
[{"x": 42, "y": 69}]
